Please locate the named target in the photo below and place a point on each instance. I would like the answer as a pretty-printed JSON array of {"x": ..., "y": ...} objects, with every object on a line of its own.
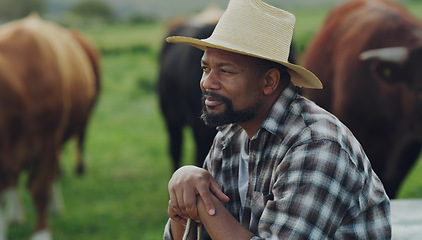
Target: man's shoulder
[
  {"x": 293, "y": 113},
  {"x": 311, "y": 122}
]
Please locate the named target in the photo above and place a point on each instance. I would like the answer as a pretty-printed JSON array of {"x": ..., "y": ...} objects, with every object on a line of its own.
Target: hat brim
[{"x": 300, "y": 76}]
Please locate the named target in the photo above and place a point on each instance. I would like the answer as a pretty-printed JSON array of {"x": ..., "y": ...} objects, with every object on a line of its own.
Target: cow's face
[
  {"x": 399, "y": 68},
  {"x": 396, "y": 65}
]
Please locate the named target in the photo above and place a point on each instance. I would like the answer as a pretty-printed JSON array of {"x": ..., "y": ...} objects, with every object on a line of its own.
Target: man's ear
[{"x": 271, "y": 81}]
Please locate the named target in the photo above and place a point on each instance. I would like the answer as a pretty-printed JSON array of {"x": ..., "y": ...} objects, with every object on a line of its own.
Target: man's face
[{"x": 231, "y": 86}]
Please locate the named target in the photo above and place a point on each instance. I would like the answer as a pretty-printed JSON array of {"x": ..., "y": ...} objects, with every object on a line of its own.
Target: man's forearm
[{"x": 222, "y": 225}]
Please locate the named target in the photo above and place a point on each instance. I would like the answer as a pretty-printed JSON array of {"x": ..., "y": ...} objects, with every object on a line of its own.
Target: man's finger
[
  {"x": 174, "y": 205},
  {"x": 175, "y": 216},
  {"x": 215, "y": 188},
  {"x": 179, "y": 205},
  {"x": 181, "y": 202},
  {"x": 190, "y": 204},
  {"x": 206, "y": 198},
  {"x": 173, "y": 200}
]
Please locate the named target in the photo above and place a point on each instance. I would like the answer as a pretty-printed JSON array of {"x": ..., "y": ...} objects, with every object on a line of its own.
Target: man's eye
[
  {"x": 205, "y": 69},
  {"x": 226, "y": 71}
]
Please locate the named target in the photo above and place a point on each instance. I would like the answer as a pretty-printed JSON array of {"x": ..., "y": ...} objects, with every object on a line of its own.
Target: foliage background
[{"x": 124, "y": 192}]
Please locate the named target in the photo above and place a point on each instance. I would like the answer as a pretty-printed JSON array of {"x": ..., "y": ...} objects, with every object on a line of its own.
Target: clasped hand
[{"x": 188, "y": 183}]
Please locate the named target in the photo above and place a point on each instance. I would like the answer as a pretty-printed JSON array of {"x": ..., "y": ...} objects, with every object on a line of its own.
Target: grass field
[{"x": 123, "y": 195}]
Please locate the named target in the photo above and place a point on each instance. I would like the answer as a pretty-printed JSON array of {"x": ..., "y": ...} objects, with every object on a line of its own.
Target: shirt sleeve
[
  {"x": 318, "y": 187},
  {"x": 167, "y": 232}
]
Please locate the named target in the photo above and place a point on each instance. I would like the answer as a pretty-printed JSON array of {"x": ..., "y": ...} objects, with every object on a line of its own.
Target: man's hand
[{"x": 185, "y": 185}]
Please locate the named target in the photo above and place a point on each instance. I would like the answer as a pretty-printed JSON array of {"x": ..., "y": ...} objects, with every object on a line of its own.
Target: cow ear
[{"x": 387, "y": 72}]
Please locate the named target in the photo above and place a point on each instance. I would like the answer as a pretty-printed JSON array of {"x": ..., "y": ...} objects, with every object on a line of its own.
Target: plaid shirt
[{"x": 309, "y": 178}]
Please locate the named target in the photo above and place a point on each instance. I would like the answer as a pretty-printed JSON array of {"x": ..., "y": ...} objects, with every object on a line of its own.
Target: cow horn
[{"x": 391, "y": 54}]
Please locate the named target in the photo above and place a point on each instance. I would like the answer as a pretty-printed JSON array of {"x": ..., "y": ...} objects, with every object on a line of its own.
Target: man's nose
[{"x": 209, "y": 81}]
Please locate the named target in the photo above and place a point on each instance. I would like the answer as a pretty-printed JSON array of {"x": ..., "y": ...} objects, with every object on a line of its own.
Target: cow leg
[
  {"x": 10, "y": 202},
  {"x": 40, "y": 183},
  {"x": 40, "y": 193},
  {"x": 80, "y": 139},
  {"x": 204, "y": 137},
  {"x": 40, "y": 189},
  {"x": 176, "y": 138}
]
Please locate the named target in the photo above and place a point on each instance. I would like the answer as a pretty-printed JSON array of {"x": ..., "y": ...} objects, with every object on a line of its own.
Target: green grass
[
  {"x": 124, "y": 192},
  {"x": 412, "y": 185},
  {"x": 127, "y": 38}
]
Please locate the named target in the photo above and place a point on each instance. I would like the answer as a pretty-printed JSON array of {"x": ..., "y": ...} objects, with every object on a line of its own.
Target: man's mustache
[{"x": 216, "y": 96}]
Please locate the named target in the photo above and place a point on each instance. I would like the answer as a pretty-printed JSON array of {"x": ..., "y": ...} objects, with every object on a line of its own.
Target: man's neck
[{"x": 252, "y": 126}]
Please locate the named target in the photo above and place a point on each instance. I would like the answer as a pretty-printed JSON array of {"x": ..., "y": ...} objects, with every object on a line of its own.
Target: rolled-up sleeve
[{"x": 167, "y": 231}]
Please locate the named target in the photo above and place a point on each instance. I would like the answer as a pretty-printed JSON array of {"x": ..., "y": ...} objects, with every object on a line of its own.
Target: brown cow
[
  {"x": 49, "y": 80},
  {"x": 368, "y": 56}
]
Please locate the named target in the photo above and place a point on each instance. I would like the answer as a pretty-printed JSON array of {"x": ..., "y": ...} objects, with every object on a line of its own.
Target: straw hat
[{"x": 254, "y": 28}]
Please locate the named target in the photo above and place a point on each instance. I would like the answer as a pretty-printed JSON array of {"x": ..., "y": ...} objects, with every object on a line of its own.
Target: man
[{"x": 280, "y": 167}]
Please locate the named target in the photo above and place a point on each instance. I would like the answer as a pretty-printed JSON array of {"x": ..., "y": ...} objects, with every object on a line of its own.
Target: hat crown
[{"x": 256, "y": 28}]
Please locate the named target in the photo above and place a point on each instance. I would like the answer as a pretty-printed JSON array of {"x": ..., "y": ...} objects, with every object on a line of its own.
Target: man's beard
[{"x": 229, "y": 115}]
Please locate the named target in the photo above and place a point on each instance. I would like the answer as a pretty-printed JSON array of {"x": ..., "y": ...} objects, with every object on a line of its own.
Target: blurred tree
[
  {"x": 14, "y": 9},
  {"x": 93, "y": 10}
]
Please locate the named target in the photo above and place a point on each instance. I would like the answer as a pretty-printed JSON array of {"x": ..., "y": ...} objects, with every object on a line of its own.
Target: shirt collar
[{"x": 279, "y": 111}]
